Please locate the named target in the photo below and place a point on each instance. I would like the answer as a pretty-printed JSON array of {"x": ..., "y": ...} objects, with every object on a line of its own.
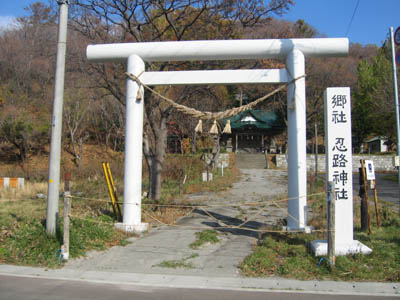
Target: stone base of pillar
[
  {"x": 138, "y": 228},
  {"x": 320, "y": 248},
  {"x": 65, "y": 256}
]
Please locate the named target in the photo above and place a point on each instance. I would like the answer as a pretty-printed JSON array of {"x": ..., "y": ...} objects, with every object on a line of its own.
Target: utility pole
[
  {"x": 396, "y": 103},
  {"x": 56, "y": 122}
]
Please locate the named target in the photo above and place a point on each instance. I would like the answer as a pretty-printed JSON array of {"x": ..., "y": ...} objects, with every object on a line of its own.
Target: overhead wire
[{"x": 352, "y": 18}]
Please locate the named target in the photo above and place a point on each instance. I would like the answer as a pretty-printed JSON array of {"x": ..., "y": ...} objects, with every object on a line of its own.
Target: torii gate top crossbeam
[{"x": 218, "y": 49}]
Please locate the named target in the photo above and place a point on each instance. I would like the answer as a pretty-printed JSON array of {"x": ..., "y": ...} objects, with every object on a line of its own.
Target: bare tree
[
  {"x": 75, "y": 120},
  {"x": 158, "y": 20}
]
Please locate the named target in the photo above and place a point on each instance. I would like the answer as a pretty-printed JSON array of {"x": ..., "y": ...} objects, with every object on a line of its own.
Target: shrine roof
[{"x": 260, "y": 119}]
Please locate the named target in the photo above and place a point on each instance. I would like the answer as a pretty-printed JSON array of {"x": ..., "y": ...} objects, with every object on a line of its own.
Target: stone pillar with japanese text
[{"x": 338, "y": 147}]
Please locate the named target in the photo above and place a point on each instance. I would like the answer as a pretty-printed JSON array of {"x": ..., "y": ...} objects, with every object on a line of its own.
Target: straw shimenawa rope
[{"x": 206, "y": 115}]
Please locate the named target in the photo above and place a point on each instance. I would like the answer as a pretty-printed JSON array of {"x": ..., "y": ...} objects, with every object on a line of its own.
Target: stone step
[{"x": 250, "y": 161}]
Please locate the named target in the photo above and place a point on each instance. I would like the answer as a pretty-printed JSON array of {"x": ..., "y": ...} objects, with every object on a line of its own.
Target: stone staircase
[
  {"x": 250, "y": 161},
  {"x": 254, "y": 161}
]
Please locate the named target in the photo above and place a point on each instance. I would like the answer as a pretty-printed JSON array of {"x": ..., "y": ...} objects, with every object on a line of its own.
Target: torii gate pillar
[
  {"x": 297, "y": 159},
  {"x": 132, "y": 209}
]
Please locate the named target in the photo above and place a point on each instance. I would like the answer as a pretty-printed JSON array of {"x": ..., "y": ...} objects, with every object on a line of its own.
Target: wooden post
[
  {"x": 316, "y": 150},
  {"x": 181, "y": 183},
  {"x": 67, "y": 209},
  {"x": 314, "y": 178},
  {"x": 262, "y": 143},
  {"x": 67, "y": 179},
  {"x": 236, "y": 143},
  {"x": 266, "y": 159},
  {"x": 331, "y": 222},
  {"x": 378, "y": 217},
  {"x": 365, "y": 215},
  {"x": 361, "y": 193}
]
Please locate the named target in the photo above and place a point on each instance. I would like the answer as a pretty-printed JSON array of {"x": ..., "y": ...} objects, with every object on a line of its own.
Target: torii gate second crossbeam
[{"x": 293, "y": 50}]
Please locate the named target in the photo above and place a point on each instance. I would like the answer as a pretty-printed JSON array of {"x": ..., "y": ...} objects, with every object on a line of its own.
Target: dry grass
[
  {"x": 30, "y": 190},
  {"x": 168, "y": 215},
  {"x": 219, "y": 183},
  {"x": 89, "y": 182},
  {"x": 192, "y": 167},
  {"x": 22, "y": 204}
]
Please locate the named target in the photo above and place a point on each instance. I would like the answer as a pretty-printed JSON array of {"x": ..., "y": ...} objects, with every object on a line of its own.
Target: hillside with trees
[{"x": 94, "y": 102}]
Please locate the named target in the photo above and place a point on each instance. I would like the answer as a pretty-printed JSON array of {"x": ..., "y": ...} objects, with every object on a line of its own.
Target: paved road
[
  {"x": 25, "y": 288},
  {"x": 387, "y": 190}
]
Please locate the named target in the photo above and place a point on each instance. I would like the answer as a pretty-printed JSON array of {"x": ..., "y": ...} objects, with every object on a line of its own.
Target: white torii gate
[{"x": 293, "y": 50}]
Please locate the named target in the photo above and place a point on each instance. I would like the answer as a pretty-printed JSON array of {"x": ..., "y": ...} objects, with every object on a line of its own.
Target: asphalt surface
[
  {"x": 387, "y": 190},
  {"x": 26, "y": 288}
]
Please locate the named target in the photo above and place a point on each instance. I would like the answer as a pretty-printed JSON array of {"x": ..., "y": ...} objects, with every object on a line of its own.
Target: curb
[{"x": 274, "y": 284}]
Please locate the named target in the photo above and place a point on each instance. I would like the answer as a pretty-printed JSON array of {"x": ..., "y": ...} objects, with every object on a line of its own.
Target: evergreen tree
[{"x": 373, "y": 109}]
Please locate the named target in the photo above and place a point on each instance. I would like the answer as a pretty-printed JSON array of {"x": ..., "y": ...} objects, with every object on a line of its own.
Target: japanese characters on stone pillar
[
  {"x": 339, "y": 158},
  {"x": 339, "y": 170}
]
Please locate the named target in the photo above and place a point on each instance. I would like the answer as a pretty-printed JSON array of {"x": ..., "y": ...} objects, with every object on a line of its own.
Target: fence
[
  {"x": 15, "y": 183},
  {"x": 381, "y": 162}
]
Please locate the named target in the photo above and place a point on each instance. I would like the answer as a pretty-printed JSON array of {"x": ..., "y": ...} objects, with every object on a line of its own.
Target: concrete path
[{"x": 159, "y": 250}]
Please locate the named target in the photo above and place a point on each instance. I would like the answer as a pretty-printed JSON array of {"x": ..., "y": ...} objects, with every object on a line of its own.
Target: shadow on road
[{"x": 245, "y": 230}]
